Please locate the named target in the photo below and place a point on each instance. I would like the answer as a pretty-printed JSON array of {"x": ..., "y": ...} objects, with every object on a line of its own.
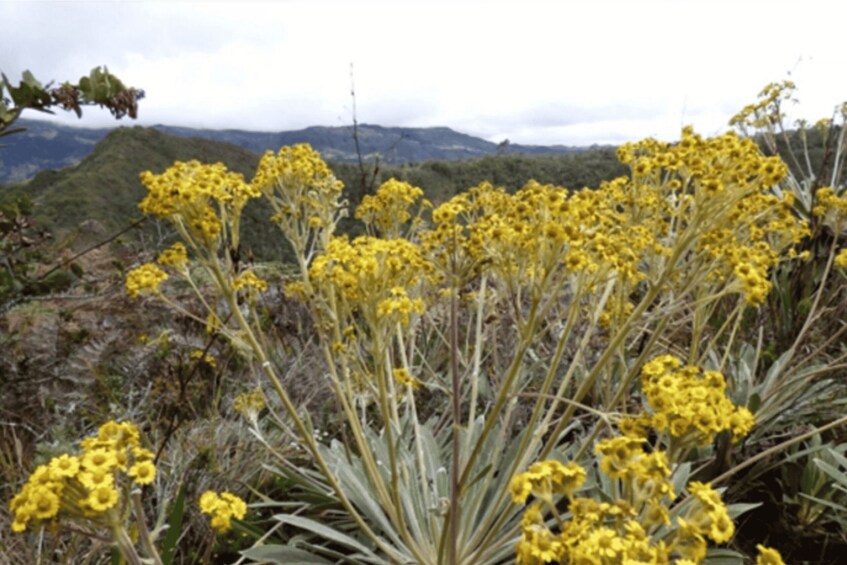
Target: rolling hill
[
  {"x": 104, "y": 185},
  {"x": 45, "y": 145}
]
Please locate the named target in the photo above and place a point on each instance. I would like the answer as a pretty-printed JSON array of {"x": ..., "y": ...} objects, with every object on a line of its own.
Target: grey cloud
[{"x": 57, "y": 39}]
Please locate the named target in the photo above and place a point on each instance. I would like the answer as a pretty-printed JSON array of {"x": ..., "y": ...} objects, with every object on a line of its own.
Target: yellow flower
[
  {"x": 19, "y": 525},
  {"x": 222, "y": 507},
  {"x": 656, "y": 514},
  {"x": 143, "y": 472},
  {"x": 147, "y": 278},
  {"x": 388, "y": 209},
  {"x": 142, "y": 454},
  {"x": 403, "y": 377},
  {"x": 249, "y": 404},
  {"x": 44, "y": 503},
  {"x": 175, "y": 256},
  {"x": 566, "y": 478},
  {"x": 605, "y": 543},
  {"x": 741, "y": 422},
  {"x": 99, "y": 459},
  {"x": 96, "y": 478},
  {"x": 64, "y": 466},
  {"x": 186, "y": 187},
  {"x": 236, "y": 505},
  {"x": 248, "y": 280},
  {"x": 545, "y": 547},
  {"x": 520, "y": 487},
  {"x": 768, "y": 556},
  {"x": 110, "y": 431},
  {"x": 198, "y": 356},
  {"x": 620, "y": 455},
  {"x": 209, "y": 501},
  {"x": 704, "y": 492},
  {"x": 545, "y": 478},
  {"x": 102, "y": 498},
  {"x": 722, "y": 527}
]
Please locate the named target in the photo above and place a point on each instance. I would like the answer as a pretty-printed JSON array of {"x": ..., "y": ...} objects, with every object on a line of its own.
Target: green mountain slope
[
  {"x": 104, "y": 186},
  {"x": 46, "y": 145}
]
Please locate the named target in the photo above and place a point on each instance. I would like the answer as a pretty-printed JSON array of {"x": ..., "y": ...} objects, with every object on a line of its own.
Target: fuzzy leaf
[
  {"x": 835, "y": 473},
  {"x": 325, "y": 532},
  {"x": 718, "y": 556},
  {"x": 283, "y": 554},
  {"x": 736, "y": 510}
]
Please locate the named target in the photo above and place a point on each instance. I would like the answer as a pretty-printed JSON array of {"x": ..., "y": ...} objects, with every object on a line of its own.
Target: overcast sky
[{"x": 568, "y": 72}]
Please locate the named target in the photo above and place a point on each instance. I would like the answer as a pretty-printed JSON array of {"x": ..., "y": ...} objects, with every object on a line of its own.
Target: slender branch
[
  {"x": 97, "y": 245},
  {"x": 777, "y": 448}
]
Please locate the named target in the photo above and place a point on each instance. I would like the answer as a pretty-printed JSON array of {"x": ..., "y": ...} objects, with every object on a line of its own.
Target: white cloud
[{"x": 565, "y": 72}]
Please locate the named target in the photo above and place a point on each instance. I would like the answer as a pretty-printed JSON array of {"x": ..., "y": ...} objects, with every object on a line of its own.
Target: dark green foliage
[
  {"x": 443, "y": 179},
  {"x": 105, "y": 186},
  {"x": 99, "y": 87},
  {"x": 169, "y": 544}
]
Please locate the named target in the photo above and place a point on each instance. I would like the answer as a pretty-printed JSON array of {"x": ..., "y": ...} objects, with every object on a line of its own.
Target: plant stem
[
  {"x": 143, "y": 532},
  {"x": 307, "y": 438},
  {"x": 125, "y": 546},
  {"x": 455, "y": 510}
]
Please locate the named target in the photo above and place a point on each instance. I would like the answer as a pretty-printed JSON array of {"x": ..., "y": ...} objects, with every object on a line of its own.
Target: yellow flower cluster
[
  {"x": 707, "y": 516},
  {"x": 710, "y": 193},
  {"x": 831, "y": 208},
  {"x": 295, "y": 166},
  {"x": 249, "y": 402},
  {"x": 841, "y": 259},
  {"x": 145, "y": 278},
  {"x": 88, "y": 486},
  {"x": 704, "y": 167},
  {"x": 764, "y": 226},
  {"x": 388, "y": 209},
  {"x": 536, "y": 235},
  {"x": 223, "y": 508},
  {"x": 198, "y": 356},
  {"x": 721, "y": 184},
  {"x": 302, "y": 190},
  {"x": 399, "y": 306},
  {"x": 186, "y": 193},
  {"x": 175, "y": 256},
  {"x": 403, "y": 377},
  {"x": 249, "y": 280},
  {"x": 630, "y": 529},
  {"x": 374, "y": 276},
  {"x": 691, "y": 406},
  {"x": 615, "y": 310},
  {"x": 765, "y": 112},
  {"x": 543, "y": 479}
]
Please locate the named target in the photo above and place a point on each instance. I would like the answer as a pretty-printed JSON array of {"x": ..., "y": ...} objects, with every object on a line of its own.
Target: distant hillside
[
  {"x": 46, "y": 145},
  {"x": 104, "y": 186},
  {"x": 394, "y": 145}
]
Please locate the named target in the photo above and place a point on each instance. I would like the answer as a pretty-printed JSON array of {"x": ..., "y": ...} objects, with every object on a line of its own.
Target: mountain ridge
[{"x": 47, "y": 145}]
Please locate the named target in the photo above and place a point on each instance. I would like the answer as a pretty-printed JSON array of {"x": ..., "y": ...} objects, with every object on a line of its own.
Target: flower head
[
  {"x": 145, "y": 278},
  {"x": 222, "y": 508}
]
